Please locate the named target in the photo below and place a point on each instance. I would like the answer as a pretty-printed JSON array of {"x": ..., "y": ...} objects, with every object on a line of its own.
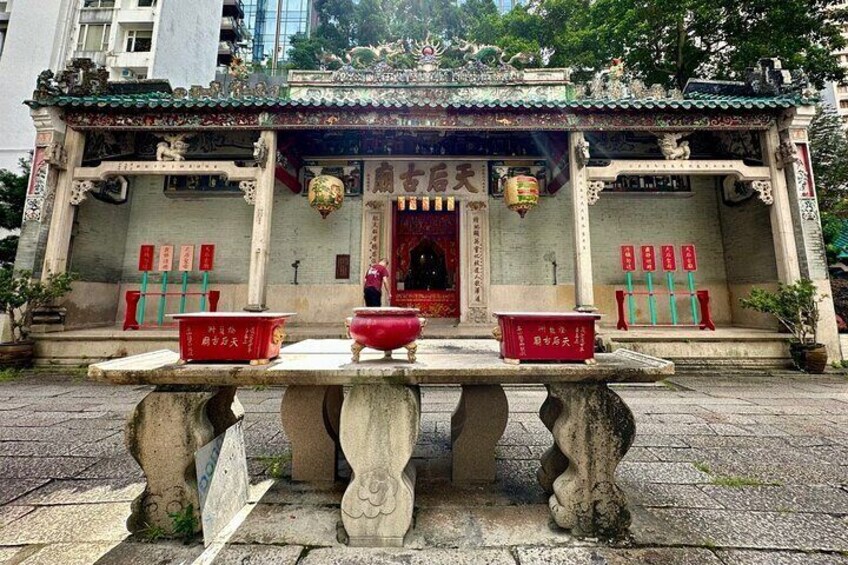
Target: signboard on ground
[
  {"x": 186, "y": 258},
  {"x": 669, "y": 259},
  {"x": 145, "y": 258},
  {"x": 649, "y": 259},
  {"x": 207, "y": 257},
  {"x": 628, "y": 258},
  {"x": 690, "y": 260},
  {"x": 166, "y": 258},
  {"x": 222, "y": 480}
]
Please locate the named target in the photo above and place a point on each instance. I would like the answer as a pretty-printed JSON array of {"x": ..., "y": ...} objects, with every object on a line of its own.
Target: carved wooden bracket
[
  {"x": 763, "y": 188},
  {"x": 80, "y": 190},
  {"x": 593, "y": 191},
  {"x": 249, "y": 189}
]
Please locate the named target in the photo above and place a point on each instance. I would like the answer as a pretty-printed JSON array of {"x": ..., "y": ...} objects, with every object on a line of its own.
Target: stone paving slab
[
  {"x": 611, "y": 556},
  {"x": 83, "y": 492},
  {"x": 349, "y": 556},
  {"x": 284, "y": 524},
  {"x": 785, "y": 499},
  {"x": 162, "y": 552},
  {"x": 69, "y": 554},
  {"x": 235, "y": 554},
  {"x": 74, "y": 523},
  {"x": 44, "y": 467},
  {"x": 12, "y": 489},
  {"x": 737, "y": 557}
]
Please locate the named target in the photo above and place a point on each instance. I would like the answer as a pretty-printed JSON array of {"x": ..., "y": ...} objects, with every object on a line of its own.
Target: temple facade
[{"x": 641, "y": 188}]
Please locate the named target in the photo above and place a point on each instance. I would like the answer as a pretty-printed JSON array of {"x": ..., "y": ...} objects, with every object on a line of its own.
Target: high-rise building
[
  {"x": 183, "y": 42},
  {"x": 834, "y": 93},
  {"x": 265, "y": 17}
]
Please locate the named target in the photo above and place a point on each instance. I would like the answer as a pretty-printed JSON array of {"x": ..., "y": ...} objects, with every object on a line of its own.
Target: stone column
[
  {"x": 64, "y": 209},
  {"x": 310, "y": 416},
  {"x": 782, "y": 228},
  {"x": 476, "y": 426},
  {"x": 584, "y": 290},
  {"x": 793, "y": 157},
  {"x": 262, "y": 192}
]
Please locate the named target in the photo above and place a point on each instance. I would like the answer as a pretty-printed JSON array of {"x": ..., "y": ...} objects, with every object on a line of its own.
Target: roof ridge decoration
[
  {"x": 80, "y": 78},
  {"x": 407, "y": 61}
]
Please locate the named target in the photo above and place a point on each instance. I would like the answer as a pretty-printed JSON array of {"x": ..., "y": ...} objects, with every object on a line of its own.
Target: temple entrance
[{"x": 425, "y": 261}]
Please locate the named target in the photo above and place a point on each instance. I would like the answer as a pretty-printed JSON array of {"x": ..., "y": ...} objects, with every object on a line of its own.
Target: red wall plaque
[
  {"x": 669, "y": 260},
  {"x": 166, "y": 258},
  {"x": 186, "y": 258},
  {"x": 628, "y": 258},
  {"x": 690, "y": 260},
  {"x": 649, "y": 258},
  {"x": 207, "y": 257},
  {"x": 145, "y": 258}
]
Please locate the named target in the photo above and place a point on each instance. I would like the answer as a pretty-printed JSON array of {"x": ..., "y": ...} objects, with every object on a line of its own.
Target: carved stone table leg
[
  {"x": 379, "y": 428},
  {"x": 594, "y": 430},
  {"x": 476, "y": 426},
  {"x": 310, "y": 416},
  {"x": 162, "y": 434},
  {"x": 554, "y": 463}
]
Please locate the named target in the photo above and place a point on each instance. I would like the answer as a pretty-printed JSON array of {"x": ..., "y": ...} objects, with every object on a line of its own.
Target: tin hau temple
[{"x": 434, "y": 166}]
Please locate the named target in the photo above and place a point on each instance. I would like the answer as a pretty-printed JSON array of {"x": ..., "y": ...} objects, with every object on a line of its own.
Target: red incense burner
[
  {"x": 385, "y": 329},
  {"x": 231, "y": 336},
  {"x": 546, "y": 336}
]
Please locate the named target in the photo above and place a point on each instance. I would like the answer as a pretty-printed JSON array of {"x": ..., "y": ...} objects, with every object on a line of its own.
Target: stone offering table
[{"x": 592, "y": 428}]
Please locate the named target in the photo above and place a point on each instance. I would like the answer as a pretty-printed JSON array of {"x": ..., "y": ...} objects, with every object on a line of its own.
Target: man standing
[{"x": 376, "y": 279}]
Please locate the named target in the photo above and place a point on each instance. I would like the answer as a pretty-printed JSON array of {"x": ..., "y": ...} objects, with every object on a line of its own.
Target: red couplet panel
[
  {"x": 547, "y": 336},
  {"x": 207, "y": 257},
  {"x": 628, "y": 258},
  {"x": 649, "y": 258},
  {"x": 145, "y": 258},
  {"x": 669, "y": 260},
  {"x": 230, "y": 336},
  {"x": 690, "y": 260}
]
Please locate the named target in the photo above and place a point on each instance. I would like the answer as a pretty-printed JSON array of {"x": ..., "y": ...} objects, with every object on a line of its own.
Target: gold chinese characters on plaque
[{"x": 426, "y": 178}]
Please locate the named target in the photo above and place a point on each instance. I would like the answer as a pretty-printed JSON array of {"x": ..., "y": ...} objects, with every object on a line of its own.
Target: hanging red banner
[
  {"x": 628, "y": 258},
  {"x": 207, "y": 256},
  {"x": 690, "y": 260},
  {"x": 145, "y": 258},
  {"x": 649, "y": 258},
  {"x": 669, "y": 260}
]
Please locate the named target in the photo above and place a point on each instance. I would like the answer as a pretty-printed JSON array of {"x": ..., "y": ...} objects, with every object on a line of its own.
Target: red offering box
[
  {"x": 547, "y": 336},
  {"x": 231, "y": 336}
]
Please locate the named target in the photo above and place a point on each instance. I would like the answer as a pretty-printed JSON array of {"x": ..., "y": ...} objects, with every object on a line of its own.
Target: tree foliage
[
  {"x": 663, "y": 41},
  {"x": 13, "y": 189}
]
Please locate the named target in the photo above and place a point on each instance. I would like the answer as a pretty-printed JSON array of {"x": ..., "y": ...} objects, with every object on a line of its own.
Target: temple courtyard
[{"x": 746, "y": 468}]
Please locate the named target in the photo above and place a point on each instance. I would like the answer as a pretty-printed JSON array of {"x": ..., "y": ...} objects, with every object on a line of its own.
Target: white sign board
[{"x": 222, "y": 480}]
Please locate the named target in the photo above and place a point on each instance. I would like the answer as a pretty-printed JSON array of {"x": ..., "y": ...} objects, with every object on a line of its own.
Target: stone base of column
[{"x": 255, "y": 308}]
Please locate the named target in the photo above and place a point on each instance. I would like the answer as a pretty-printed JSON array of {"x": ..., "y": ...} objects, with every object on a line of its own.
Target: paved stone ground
[{"x": 734, "y": 469}]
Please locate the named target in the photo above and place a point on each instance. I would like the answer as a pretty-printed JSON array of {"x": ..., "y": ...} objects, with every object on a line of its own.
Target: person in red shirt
[{"x": 376, "y": 279}]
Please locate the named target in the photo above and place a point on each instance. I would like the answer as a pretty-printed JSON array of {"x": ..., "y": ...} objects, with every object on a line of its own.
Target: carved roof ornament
[
  {"x": 769, "y": 78},
  {"x": 673, "y": 149},
  {"x": 615, "y": 83},
  {"x": 260, "y": 153},
  {"x": 80, "y": 78},
  {"x": 56, "y": 155},
  {"x": 581, "y": 153},
  {"x": 786, "y": 154},
  {"x": 237, "y": 88},
  {"x": 174, "y": 148}
]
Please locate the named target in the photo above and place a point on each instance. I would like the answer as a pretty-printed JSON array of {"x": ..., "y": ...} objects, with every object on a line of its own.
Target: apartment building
[
  {"x": 834, "y": 93},
  {"x": 179, "y": 40}
]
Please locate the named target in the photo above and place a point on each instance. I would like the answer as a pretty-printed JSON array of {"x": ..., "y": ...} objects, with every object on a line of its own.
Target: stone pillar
[
  {"x": 310, "y": 416},
  {"x": 262, "y": 191},
  {"x": 584, "y": 290},
  {"x": 476, "y": 426},
  {"x": 64, "y": 209},
  {"x": 47, "y": 162},
  {"x": 782, "y": 228},
  {"x": 793, "y": 157}
]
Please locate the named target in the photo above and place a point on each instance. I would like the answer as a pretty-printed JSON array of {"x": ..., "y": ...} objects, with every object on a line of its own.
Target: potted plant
[
  {"x": 796, "y": 306},
  {"x": 20, "y": 297}
]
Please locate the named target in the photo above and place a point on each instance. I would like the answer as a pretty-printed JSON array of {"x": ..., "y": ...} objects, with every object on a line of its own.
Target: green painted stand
[
  {"x": 693, "y": 300},
  {"x": 672, "y": 304},
  {"x": 183, "y": 292},
  {"x": 160, "y": 318},
  {"x": 204, "y": 289},
  {"x": 631, "y": 304},
  {"x": 142, "y": 302},
  {"x": 652, "y": 300}
]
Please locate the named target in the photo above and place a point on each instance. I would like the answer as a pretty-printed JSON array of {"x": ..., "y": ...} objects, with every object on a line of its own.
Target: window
[
  {"x": 139, "y": 40},
  {"x": 93, "y": 37},
  {"x": 843, "y": 104},
  {"x": 98, "y": 3},
  {"x": 146, "y": 3}
]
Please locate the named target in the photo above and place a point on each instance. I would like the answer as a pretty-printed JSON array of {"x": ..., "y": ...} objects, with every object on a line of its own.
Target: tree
[
  {"x": 829, "y": 155},
  {"x": 13, "y": 188},
  {"x": 671, "y": 41}
]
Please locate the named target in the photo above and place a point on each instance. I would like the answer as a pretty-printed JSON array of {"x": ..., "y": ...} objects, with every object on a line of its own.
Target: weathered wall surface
[{"x": 99, "y": 240}]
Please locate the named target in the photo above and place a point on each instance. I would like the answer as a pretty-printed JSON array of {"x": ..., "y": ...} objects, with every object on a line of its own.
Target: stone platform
[
  {"x": 739, "y": 347},
  {"x": 726, "y": 469}
]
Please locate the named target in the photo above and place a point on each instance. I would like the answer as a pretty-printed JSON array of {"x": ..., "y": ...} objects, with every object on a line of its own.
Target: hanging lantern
[
  {"x": 521, "y": 193},
  {"x": 326, "y": 194}
]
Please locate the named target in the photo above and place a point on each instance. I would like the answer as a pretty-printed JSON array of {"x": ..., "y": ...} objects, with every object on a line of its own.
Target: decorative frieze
[
  {"x": 229, "y": 170},
  {"x": 786, "y": 154}
]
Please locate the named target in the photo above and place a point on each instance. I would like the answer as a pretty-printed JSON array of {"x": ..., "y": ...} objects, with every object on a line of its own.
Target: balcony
[
  {"x": 96, "y": 15},
  {"x": 233, "y": 9},
  {"x": 97, "y": 57}
]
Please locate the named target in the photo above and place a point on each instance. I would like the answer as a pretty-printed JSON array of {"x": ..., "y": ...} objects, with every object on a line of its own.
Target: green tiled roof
[{"x": 159, "y": 100}]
